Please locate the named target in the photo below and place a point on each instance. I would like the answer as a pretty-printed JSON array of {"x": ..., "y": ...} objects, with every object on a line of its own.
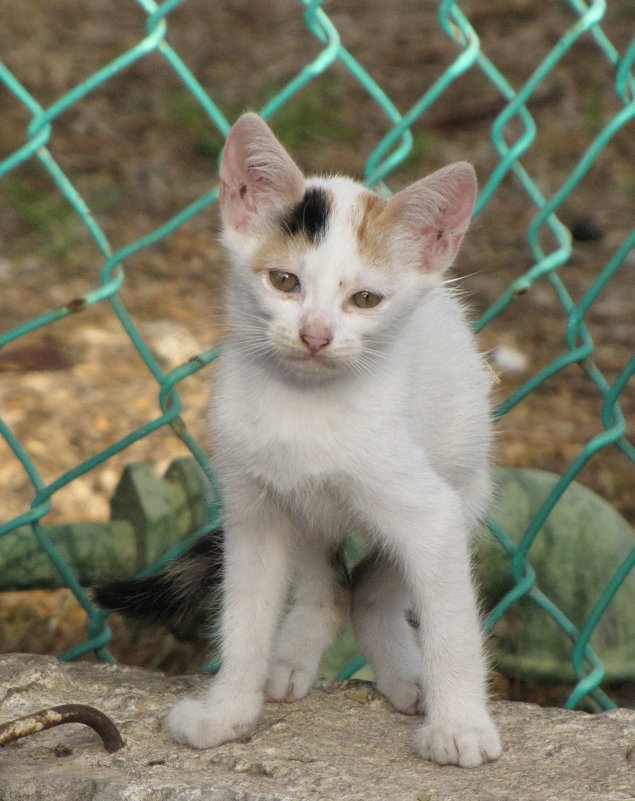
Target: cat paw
[
  {"x": 288, "y": 682},
  {"x": 467, "y": 744},
  {"x": 404, "y": 695},
  {"x": 201, "y": 723}
]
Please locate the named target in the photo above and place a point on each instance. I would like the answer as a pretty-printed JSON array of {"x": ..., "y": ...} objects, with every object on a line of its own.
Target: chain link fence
[{"x": 322, "y": 97}]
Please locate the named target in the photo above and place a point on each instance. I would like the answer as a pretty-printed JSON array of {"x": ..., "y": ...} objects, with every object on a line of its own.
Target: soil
[{"x": 139, "y": 150}]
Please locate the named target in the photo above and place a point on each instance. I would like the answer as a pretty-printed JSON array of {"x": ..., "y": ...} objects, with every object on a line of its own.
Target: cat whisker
[{"x": 456, "y": 279}]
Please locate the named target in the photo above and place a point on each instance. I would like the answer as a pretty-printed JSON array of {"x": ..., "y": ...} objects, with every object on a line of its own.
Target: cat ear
[
  {"x": 258, "y": 177},
  {"x": 432, "y": 215}
]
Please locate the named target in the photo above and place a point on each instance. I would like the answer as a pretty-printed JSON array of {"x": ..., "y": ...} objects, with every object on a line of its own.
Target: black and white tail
[{"x": 176, "y": 595}]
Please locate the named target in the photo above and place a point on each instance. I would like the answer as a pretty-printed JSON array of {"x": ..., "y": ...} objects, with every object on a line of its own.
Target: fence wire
[{"x": 513, "y": 132}]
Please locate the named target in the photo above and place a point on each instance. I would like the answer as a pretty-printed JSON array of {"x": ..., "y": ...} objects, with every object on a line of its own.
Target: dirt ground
[{"x": 139, "y": 150}]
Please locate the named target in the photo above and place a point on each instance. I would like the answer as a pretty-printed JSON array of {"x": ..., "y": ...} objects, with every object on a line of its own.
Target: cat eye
[
  {"x": 366, "y": 299},
  {"x": 283, "y": 281}
]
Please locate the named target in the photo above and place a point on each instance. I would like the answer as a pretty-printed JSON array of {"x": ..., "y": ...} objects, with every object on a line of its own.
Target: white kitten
[{"x": 349, "y": 394}]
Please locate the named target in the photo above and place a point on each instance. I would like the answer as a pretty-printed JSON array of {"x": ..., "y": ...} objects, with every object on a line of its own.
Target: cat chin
[{"x": 314, "y": 369}]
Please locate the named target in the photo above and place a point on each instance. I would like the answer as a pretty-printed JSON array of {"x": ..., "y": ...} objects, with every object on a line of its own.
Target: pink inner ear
[
  {"x": 237, "y": 203},
  {"x": 233, "y": 172},
  {"x": 435, "y": 213},
  {"x": 257, "y": 175}
]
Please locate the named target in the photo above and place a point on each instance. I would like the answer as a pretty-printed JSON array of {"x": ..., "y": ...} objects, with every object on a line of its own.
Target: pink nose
[{"x": 313, "y": 343}]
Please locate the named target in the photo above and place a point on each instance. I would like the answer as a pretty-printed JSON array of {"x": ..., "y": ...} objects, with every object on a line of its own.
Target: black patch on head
[{"x": 309, "y": 217}]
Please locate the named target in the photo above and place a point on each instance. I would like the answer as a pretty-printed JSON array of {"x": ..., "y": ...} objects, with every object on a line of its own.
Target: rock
[
  {"x": 339, "y": 744},
  {"x": 575, "y": 556},
  {"x": 172, "y": 342},
  {"x": 509, "y": 360}
]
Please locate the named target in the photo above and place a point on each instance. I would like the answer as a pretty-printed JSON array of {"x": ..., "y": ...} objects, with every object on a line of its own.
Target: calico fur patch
[
  {"x": 372, "y": 228},
  {"x": 310, "y": 217}
]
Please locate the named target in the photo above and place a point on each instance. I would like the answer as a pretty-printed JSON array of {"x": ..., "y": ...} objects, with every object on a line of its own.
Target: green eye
[
  {"x": 283, "y": 281},
  {"x": 366, "y": 299}
]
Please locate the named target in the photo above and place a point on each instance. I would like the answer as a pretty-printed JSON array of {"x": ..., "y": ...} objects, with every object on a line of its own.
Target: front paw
[
  {"x": 289, "y": 682},
  {"x": 404, "y": 693},
  {"x": 464, "y": 743},
  {"x": 207, "y": 722}
]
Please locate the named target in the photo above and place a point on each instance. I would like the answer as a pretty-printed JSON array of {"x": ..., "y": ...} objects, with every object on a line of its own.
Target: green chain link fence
[{"x": 513, "y": 132}]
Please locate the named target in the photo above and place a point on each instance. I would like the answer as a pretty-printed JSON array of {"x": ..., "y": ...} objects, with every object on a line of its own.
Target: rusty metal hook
[{"x": 56, "y": 716}]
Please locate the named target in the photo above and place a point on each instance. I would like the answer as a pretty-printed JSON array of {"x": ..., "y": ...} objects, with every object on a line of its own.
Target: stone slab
[{"x": 342, "y": 743}]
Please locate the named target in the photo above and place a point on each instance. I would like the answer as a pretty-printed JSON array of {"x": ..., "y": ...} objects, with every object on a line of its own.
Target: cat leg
[
  {"x": 319, "y": 601},
  {"x": 379, "y": 615},
  {"x": 257, "y": 544},
  {"x": 423, "y": 525}
]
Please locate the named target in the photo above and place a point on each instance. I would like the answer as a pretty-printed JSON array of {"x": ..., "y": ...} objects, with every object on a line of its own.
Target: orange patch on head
[
  {"x": 275, "y": 252},
  {"x": 372, "y": 226}
]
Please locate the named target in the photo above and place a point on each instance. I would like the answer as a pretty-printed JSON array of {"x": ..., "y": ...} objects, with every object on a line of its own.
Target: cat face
[
  {"x": 325, "y": 302},
  {"x": 324, "y": 269}
]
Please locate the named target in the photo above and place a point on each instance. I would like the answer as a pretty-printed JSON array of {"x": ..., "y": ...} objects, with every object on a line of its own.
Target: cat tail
[{"x": 176, "y": 596}]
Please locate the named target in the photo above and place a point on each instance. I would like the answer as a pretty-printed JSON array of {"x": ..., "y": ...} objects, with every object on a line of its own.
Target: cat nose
[{"x": 314, "y": 343}]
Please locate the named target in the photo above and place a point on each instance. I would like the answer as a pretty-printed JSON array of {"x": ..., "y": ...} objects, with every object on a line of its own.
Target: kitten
[{"x": 350, "y": 394}]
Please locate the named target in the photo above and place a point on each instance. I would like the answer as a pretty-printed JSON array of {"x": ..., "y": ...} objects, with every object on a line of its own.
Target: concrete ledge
[{"x": 343, "y": 743}]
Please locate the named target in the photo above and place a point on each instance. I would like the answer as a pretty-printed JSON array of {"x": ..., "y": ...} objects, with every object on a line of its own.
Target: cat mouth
[
  {"x": 310, "y": 362},
  {"x": 317, "y": 360}
]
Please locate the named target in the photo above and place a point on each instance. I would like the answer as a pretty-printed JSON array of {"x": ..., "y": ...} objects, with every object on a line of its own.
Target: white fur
[{"x": 387, "y": 427}]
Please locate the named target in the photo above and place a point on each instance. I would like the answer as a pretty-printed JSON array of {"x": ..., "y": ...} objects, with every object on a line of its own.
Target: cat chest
[
  {"x": 288, "y": 443},
  {"x": 289, "y": 452}
]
